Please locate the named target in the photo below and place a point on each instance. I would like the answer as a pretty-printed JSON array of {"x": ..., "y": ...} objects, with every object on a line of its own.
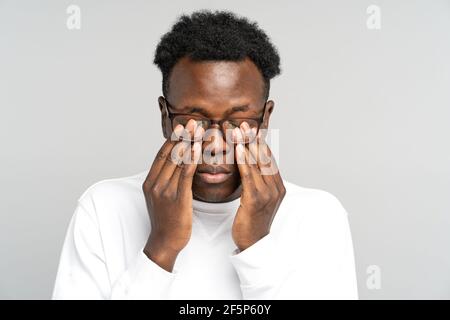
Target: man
[{"x": 198, "y": 225}]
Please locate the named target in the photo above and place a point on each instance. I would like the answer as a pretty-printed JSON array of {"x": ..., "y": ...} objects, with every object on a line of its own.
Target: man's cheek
[
  {"x": 195, "y": 180},
  {"x": 235, "y": 178}
]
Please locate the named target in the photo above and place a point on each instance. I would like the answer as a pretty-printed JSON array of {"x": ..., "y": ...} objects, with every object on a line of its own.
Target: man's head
[{"x": 216, "y": 66}]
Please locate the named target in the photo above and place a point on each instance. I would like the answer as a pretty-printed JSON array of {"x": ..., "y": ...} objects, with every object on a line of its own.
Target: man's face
[{"x": 217, "y": 90}]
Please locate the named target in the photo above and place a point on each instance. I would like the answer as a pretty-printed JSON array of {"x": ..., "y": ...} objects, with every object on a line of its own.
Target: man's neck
[{"x": 233, "y": 196}]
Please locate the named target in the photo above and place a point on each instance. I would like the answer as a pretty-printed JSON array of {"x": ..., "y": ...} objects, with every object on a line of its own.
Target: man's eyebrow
[
  {"x": 239, "y": 108},
  {"x": 195, "y": 109}
]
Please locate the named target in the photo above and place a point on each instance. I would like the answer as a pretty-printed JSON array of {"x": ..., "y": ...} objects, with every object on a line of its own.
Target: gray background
[{"x": 366, "y": 113}]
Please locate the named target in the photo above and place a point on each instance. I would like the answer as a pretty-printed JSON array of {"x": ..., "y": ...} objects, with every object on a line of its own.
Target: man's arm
[
  {"x": 83, "y": 273},
  {"x": 317, "y": 264}
]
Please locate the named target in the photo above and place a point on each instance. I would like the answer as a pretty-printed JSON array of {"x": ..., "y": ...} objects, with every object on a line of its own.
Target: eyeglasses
[{"x": 226, "y": 125}]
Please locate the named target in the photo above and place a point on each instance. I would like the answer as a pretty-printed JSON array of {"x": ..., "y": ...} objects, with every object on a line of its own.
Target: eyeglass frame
[{"x": 171, "y": 115}]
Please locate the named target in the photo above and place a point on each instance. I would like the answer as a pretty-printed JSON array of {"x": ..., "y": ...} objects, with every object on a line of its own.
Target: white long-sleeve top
[{"x": 308, "y": 253}]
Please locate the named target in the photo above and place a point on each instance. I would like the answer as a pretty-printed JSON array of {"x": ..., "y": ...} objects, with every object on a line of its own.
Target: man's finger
[
  {"x": 172, "y": 161},
  {"x": 274, "y": 172},
  {"x": 162, "y": 155},
  {"x": 263, "y": 168},
  {"x": 251, "y": 161},
  {"x": 193, "y": 131},
  {"x": 266, "y": 160},
  {"x": 199, "y": 133},
  {"x": 258, "y": 179},
  {"x": 248, "y": 184},
  {"x": 190, "y": 129},
  {"x": 188, "y": 171},
  {"x": 185, "y": 158}
]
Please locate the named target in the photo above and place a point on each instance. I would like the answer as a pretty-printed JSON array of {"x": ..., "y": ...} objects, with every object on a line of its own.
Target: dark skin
[{"x": 217, "y": 90}]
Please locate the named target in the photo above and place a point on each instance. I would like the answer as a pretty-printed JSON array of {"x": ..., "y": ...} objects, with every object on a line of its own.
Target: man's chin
[{"x": 215, "y": 192}]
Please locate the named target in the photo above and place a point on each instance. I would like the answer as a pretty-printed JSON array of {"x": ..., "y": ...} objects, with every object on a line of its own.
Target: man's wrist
[
  {"x": 162, "y": 256},
  {"x": 246, "y": 243}
]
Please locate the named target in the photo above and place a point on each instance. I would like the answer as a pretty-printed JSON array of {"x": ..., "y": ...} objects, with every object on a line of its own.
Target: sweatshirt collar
[{"x": 210, "y": 207}]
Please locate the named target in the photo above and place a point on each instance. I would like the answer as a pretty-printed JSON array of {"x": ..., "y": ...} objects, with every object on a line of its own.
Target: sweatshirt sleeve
[
  {"x": 83, "y": 272},
  {"x": 258, "y": 273},
  {"x": 319, "y": 265}
]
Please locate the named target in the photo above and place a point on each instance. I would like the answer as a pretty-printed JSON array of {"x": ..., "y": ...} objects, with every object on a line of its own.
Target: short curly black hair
[{"x": 218, "y": 35}]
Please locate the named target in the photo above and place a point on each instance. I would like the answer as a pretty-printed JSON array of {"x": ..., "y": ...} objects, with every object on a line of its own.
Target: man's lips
[
  {"x": 213, "y": 174},
  {"x": 212, "y": 169}
]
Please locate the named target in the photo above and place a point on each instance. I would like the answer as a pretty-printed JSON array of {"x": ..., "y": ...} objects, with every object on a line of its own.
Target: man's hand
[
  {"x": 262, "y": 190},
  {"x": 168, "y": 194}
]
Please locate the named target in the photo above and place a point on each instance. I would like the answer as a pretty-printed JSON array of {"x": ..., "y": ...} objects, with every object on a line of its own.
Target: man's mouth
[{"x": 213, "y": 174}]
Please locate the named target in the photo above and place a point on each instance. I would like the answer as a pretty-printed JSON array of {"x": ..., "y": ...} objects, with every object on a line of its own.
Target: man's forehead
[{"x": 210, "y": 78}]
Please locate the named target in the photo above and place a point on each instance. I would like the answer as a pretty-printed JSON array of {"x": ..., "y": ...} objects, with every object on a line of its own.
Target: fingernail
[
  {"x": 193, "y": 123},
  {"x": 245, "y": 130},
  {"x": 178, "y": 131},
  {"x": 237, "y": 134},
  {"x": 199, "y": 132},
  {"x": 178, "y": 128}
]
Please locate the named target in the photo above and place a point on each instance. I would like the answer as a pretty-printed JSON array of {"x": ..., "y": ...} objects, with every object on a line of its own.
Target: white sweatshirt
[{"x": 308, "y": 253}]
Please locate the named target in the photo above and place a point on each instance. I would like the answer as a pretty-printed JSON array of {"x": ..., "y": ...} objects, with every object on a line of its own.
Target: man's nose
[{"x": 214, "y": 141}]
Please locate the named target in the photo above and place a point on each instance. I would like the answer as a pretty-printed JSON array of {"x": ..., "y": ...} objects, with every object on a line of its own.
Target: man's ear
[
  {"x": 270, "y": 105},
  {"x": 165, "y": 120}
]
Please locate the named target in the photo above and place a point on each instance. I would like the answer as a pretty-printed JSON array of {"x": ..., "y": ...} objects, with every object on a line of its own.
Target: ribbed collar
[{"x": 222, "y": 207}]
